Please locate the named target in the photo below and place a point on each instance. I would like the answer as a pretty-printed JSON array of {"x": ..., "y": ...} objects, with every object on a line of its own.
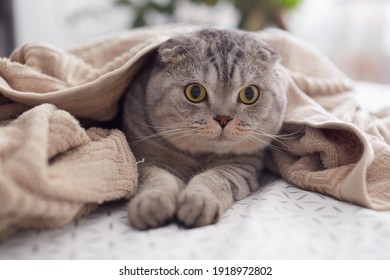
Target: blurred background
[{"x": 355, "y": 34}]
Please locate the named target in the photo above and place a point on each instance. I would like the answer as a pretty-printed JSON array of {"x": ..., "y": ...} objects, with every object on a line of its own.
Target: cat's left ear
[
  {"x": 269, "y": 55},
  {"x": 265, "y": 52},
  {"x": 172, "y": 51}
]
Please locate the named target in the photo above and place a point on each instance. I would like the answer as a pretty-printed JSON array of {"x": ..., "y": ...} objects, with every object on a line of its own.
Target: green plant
[{"x": 254, "y": 13}]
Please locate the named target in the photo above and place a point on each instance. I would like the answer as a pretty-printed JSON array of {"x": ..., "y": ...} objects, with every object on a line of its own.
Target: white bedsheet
[{"x": 279, "y": 221}]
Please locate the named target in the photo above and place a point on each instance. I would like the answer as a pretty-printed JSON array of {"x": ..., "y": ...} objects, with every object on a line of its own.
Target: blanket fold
[
  {"x": 52, "y": 170},
  {"x": 344, "y": 151}
]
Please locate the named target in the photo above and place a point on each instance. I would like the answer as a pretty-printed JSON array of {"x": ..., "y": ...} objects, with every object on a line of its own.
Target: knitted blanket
[{"x": 52, "y": 170}]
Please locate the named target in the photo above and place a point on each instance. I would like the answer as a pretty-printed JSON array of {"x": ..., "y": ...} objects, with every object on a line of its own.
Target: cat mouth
[{"x": 222, "y": 137}]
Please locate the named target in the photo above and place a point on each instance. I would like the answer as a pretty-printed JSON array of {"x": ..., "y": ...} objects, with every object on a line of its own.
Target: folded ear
[
  {"x": 264, "y": 52},
  {"x": 173, "y": 51},
  {"x": 269, "y": 55}
]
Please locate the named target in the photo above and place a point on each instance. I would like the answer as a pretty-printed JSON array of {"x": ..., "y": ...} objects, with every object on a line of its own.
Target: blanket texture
[{"x": 52, "y": 170}]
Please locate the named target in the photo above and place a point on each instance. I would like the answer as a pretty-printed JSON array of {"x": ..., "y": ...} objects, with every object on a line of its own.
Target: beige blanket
[{"x": 52, "y": 170}]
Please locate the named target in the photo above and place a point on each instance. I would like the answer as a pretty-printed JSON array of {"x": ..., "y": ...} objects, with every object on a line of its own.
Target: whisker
[
  {"x": 163, "y": 134},
  {"x": 189, "y": 136},
  {"x": 269, "y": 145},
  {"x": 280, "y": 137},
  {"x": 258, "y": 138},
  {"x": 273, "y": 137},
  {"x": 179, "y": 125},
  {"x": 292, "y": 135}
]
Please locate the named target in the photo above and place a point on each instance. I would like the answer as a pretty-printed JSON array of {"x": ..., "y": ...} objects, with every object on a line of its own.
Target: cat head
[{"x": 216, "y": 91}]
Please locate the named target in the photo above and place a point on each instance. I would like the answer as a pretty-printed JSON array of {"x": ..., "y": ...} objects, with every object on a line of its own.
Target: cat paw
[
  {"x": 151, "y": 210},
  {"x": 196, "y": 209}
]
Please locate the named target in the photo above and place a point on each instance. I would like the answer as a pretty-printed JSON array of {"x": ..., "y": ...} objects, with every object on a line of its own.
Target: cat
[{"x": 200, "y": 116}]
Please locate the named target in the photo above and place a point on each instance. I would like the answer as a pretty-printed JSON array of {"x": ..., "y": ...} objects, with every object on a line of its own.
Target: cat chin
[
  {"x": 221, "y": 147},
  {"x": 237, "y": 150}
]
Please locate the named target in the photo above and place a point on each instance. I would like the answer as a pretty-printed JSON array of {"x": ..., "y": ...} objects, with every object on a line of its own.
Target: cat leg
[
  {"x": 211, "y": 193},
  {"x": 155, "y": 203}
]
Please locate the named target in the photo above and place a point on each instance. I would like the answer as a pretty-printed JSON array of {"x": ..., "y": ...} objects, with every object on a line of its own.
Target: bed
[{"x": 280, "y": 221}]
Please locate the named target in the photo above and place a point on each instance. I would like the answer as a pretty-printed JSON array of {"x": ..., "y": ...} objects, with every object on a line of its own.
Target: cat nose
[{"x": 223, "y": 120}]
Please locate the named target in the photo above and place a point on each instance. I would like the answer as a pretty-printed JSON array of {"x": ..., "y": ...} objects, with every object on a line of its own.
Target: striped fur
[{"x": 194, "y": 167}]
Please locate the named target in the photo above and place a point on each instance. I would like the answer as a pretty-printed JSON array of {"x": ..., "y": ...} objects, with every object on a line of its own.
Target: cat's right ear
[{"x": 172, "y": 51}]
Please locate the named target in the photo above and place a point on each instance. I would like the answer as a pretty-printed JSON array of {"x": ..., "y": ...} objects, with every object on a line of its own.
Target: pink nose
[{"x": 223, "y": 120}]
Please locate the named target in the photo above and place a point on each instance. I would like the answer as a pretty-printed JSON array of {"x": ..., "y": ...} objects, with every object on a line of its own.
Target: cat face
[{"x": 216, "y": 91}]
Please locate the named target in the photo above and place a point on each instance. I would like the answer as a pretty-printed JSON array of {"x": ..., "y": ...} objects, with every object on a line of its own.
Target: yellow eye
[
  {"x": 195, "y": 92},
  {"x": 249, "y": 95}
]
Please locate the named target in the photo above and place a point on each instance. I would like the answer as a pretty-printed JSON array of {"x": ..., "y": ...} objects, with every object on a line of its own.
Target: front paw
[
  {"x": 196, "y": 209},
  {"x": 151, "y": 209}
]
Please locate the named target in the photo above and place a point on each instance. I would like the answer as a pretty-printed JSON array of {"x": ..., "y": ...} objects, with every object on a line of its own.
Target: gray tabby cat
[{"x": 212, "y": 104}]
